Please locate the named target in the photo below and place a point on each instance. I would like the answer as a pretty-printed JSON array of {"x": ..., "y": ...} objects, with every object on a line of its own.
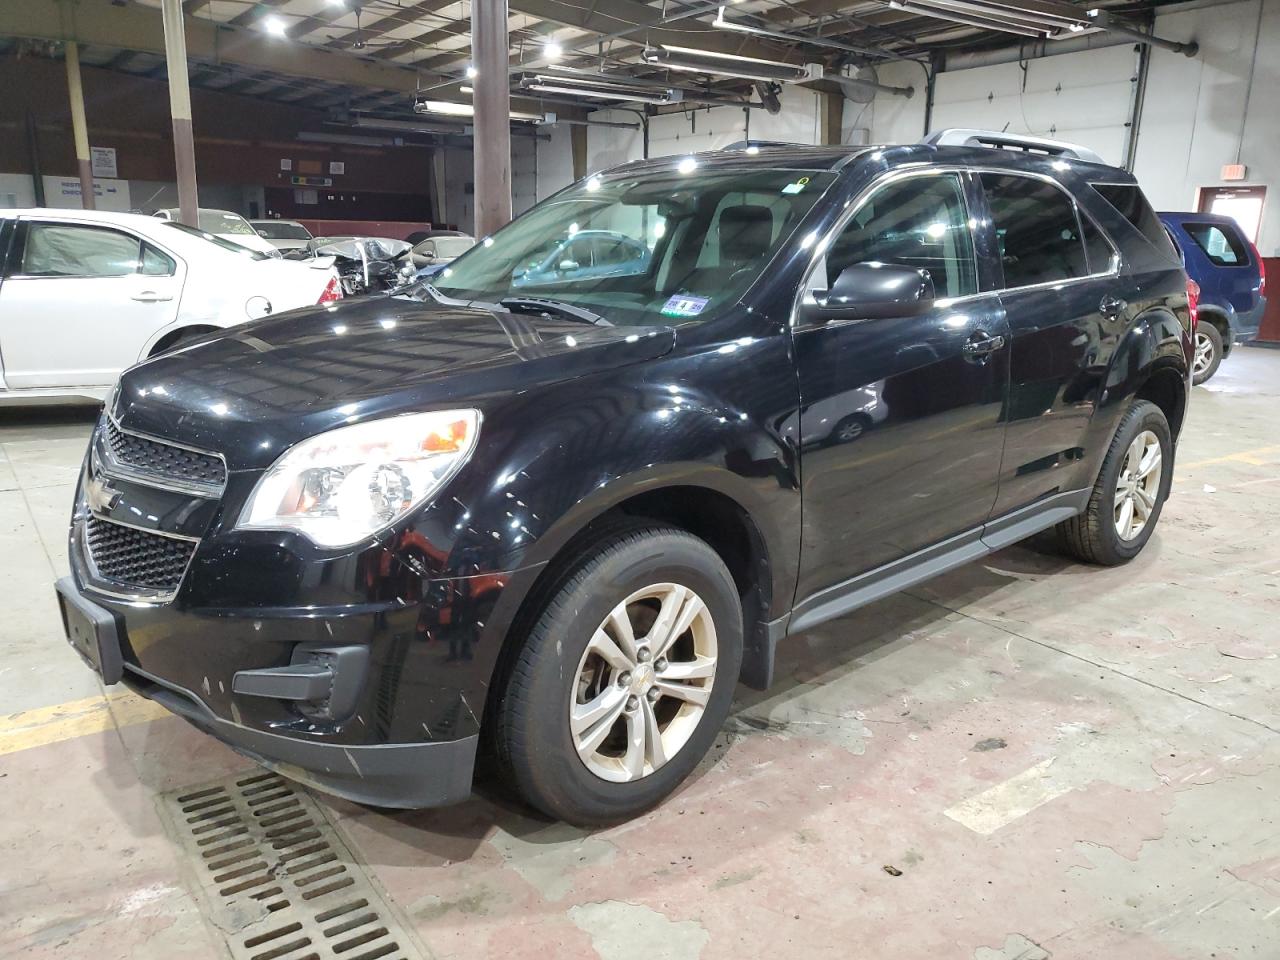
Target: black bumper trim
[{"x": 404, "y": 775}]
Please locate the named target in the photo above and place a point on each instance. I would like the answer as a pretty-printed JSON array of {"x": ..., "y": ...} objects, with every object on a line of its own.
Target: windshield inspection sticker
[
  {"x": 682, "y": 305},
  {"x": 797, "y": 186}
]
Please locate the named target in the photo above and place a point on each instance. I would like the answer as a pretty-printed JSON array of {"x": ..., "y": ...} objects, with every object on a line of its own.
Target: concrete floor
[{"x": 1026, "y": 758}]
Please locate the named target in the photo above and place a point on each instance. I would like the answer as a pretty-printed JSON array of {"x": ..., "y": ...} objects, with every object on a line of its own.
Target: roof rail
[
  {"x": 759, "y": 144},
  {"x": 999, "y": 140}
]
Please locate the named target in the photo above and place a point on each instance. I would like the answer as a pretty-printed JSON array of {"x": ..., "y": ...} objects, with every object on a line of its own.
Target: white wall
[
  {"x": 555, "y": 160},
  {"x": 1193, "y": 121},
  {"x": 16, "y": 191}
]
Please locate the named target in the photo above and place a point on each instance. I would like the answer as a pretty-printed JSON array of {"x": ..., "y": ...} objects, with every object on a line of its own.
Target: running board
[{"x": 843, "y": 598}]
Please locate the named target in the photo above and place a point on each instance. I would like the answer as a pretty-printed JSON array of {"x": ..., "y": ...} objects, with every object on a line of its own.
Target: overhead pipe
[{"x": 1109, "y": 23}]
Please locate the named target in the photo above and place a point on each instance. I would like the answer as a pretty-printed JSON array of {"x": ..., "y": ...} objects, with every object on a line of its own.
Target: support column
[
  {"x": 184, "y": 145},
  {"x": 490, "y": 52},
  {"x": 79, "y": 129}
]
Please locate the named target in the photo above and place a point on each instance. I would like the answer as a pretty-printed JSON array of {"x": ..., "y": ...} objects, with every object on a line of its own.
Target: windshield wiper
[{"x": 557, "y": 307}]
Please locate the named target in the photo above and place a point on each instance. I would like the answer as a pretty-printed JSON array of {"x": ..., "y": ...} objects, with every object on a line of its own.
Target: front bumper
[
  {"x": 405, "y": 740},
  {"x": 385, "y": 775}
]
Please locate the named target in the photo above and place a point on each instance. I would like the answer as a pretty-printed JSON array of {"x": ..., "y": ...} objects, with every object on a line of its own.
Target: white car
[
  {"x": 228, "y": 226},
  {"x": 285, "y": 235},
  {"x": 85, "y": 294}
]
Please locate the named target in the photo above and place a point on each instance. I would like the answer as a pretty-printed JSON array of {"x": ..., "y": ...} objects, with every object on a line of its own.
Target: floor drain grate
[{"x": 275, "y": 877}]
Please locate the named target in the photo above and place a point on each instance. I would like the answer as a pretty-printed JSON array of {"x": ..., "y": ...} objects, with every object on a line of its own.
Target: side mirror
[
  {"x": 568, "y": 266},
  {"x": 874, "y": 290}
]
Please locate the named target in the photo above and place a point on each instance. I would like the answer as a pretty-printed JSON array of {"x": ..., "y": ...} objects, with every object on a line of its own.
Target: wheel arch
[
  {"x": 173, "y": 335},
  {"x": 1215, "y": 314}
]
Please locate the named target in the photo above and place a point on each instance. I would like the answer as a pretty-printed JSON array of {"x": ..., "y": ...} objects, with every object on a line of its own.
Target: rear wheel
[
  {"x": 625, "y": 679},
  {"x": 1129, "y": 493},
  {"x": 1208, "y": 355}
]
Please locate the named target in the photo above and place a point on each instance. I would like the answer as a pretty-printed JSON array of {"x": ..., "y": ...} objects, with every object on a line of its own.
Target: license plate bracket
[{"x": 92, "y": 632}]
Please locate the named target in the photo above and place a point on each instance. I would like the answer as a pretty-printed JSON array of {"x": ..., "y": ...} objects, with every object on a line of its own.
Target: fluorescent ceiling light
[
  {"x": 968, "y": 19},
  {"x": 596, "y": 89},
  {"x": 275, "y": 26},
  {"x": 553, "y": 50},
  {"x": 728, "y": 64},
  {"x": 449, "y": 108}
]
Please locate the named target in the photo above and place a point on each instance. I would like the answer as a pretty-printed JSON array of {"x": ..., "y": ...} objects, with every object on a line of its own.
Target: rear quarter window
[
  {"x": 1133, "y": 206},
  {"x": 1222, "y": 244}
]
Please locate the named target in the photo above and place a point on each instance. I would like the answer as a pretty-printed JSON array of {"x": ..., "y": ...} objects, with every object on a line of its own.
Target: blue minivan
[{"x": 1232, "y": 281}]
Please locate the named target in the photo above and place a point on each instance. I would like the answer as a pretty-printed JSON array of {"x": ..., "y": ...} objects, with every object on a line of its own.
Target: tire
[
  {"x": 1208, "y": 353},
  {"x": 1095, "y": 535},
  {"x": 533, "y": 739}
]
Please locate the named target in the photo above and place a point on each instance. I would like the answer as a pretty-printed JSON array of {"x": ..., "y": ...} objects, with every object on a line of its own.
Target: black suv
[{"x": 554, "y": 524}]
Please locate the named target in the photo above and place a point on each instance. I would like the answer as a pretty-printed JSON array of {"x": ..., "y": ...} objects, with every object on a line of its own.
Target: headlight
[{"x": 342, "y": 486}]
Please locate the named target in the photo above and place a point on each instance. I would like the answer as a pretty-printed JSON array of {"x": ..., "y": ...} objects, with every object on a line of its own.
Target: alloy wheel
[
  {"x": 1138, "y": 485},
  {"x": 1203, "y": 358},
  {"x": 643, "y": 682}
]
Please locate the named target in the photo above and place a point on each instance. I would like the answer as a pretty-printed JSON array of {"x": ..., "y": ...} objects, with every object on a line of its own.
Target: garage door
[
  {"x": 524, "y": 174},
  {"x": 1082, "y": 98}
]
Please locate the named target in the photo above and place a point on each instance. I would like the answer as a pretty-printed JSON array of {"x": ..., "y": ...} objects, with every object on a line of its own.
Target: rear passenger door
[{"x": 1066, "y": 310}]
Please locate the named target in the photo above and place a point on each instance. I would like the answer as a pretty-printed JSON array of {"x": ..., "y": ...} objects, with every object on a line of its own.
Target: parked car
[
  {"x": 564, "y": 525},
  {"x": 227, "y": 225},
  {"x": 584, "y": 255},
  {"x": 417, "y": 236},
  {"x": 1233, "y": 285},
  {"x": 437, "y": 251},
  {"x": 287, "y": 236},
  {"x": 85, "y": 294}
]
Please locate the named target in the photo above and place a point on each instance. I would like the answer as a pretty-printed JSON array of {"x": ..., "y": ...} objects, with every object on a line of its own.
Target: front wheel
[
  {"x": 1129, "y": 493},
  {"x": 624, "y": 680}
]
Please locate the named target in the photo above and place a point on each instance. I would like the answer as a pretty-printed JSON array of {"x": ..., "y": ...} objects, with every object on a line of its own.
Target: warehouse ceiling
[{"x": 376, "y": 56}]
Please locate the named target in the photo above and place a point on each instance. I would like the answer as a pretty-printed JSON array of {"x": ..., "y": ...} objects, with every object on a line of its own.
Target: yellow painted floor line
[
  {"x": 1252, "y": 457},
  {"x": 41, "y": 726},
  {"x": 1009, "y": 801}
]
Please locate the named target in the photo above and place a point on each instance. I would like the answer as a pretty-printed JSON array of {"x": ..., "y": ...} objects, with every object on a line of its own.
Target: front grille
[
  {"x": 136, "y": 558},
  {"x": 163, "y": 460}
]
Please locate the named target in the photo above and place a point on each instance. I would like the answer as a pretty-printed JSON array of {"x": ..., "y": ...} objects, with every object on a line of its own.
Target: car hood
[{"x": 250, "y": 391}]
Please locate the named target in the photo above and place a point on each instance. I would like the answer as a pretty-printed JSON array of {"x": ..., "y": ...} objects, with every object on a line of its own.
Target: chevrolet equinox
[{"x": 553, "y": 523}]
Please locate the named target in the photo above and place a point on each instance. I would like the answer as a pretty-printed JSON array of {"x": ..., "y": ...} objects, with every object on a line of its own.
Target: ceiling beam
[
  {"x": 611, "y": 16},
  {"x": 138, "y": 28},
  {"x": 405, "y": 17}
]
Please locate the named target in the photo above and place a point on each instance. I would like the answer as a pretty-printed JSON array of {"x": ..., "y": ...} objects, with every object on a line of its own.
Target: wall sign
[
  {"x": 102, "y": 160},
  {"x": 337, "y": 166}
]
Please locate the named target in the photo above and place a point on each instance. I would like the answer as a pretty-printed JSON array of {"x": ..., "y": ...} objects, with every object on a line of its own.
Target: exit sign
[{"x": 1233, "y": 171}]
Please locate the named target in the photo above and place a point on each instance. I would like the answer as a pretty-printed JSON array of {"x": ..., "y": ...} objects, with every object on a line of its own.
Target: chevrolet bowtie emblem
[{"x": 101, "y": 496}]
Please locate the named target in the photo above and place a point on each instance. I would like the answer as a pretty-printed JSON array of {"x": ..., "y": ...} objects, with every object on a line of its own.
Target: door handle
[
  {"x": 1111, "y": 307},
  {"x": 150, "y": 296},
  {"x": 981, "y": 344}
]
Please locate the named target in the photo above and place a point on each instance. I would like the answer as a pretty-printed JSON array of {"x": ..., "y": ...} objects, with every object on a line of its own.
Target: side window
[
  {"x": 1132, "y": 205},
  {"x": 1222, "y": 245},
  {"x": 67, "y": 250},
  {"x": 1036, "y": 229},
  {"x": 156, "y": 263},
  {"x": 918, "y": 222},
  {"x": 1101, "y": 254}
]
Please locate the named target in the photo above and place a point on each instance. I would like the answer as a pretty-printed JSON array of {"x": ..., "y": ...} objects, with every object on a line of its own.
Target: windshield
[
  {"x": 216, "y": 240},
  {"x": 219, "y": 221},
  {"x": 281, "y": 230},
  {"x": 677, "y": 244}
]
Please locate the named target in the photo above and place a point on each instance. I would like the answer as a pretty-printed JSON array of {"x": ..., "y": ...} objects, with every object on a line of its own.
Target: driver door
[{"x": 901, "y": 426}]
